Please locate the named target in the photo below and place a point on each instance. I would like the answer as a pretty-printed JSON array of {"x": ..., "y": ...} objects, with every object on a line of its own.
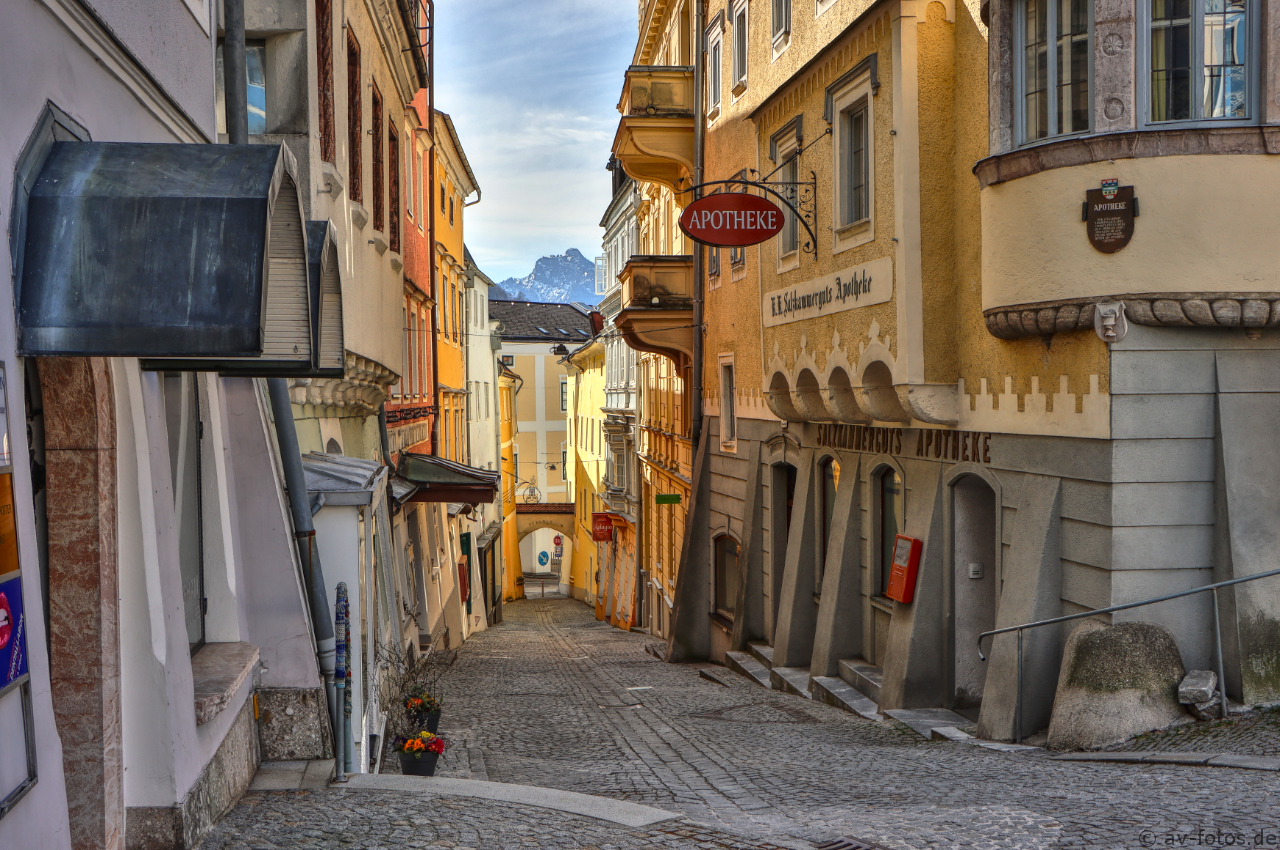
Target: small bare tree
[{"x": 405, "y": 674}]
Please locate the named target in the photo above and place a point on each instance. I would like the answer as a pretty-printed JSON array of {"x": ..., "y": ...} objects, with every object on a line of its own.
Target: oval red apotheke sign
[{"x": 731, "y": 220}]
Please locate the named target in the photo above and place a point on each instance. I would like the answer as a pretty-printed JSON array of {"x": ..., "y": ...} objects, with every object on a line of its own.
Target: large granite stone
[
  {"x": 1115, "y": 682},
  {"x": 1197, "y": 686}
]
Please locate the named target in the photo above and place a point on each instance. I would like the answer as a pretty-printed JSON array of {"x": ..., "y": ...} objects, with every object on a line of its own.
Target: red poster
[{"x": 601, "y": 527}]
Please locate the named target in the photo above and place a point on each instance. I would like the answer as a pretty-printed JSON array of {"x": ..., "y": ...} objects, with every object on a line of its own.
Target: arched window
[
  {"x": 829, "y": 480},
  {"x": 726, "y": 589},
  {"x": 892, "y": 509}
]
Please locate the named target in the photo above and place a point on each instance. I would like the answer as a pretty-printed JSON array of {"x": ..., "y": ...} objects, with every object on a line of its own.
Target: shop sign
[
  {"x": 1108, "y": 216},
  {"x": 858, "y": 286},
  {"x": 666, "y": 499},
  {"x": 601, "y": 527},
  {"x": 955, "y": 446},
  {"x": 731, "y": 220}
]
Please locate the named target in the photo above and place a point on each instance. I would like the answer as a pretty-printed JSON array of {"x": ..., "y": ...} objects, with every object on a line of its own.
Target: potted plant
[
  {"x": 424, "y": 710},
  {"x": 419, "y": 753}
]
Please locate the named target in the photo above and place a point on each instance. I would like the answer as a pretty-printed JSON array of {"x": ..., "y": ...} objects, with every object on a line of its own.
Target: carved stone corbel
[{"x": 937, "y": 404}]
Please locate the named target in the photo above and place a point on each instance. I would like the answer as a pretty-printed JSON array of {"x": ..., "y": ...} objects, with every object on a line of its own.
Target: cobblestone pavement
[
  {"x": 552, "y": 698},
  {"x": 1255, "y": 734}
]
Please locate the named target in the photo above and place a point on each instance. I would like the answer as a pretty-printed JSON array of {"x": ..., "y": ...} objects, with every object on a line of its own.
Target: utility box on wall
[{"x": 906, "y": 562}]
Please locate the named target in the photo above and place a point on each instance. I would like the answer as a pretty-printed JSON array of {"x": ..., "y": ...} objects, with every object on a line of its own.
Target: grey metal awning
[
  {"x": 170, "y": 252},
  {"x": 349, "y": 480}
]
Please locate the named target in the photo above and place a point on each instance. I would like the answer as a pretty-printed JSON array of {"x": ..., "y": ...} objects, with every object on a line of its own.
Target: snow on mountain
[{"x": 560, "y": 278}]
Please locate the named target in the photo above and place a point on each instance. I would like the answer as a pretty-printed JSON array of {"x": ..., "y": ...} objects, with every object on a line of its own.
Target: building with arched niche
[{"x": 970, "y": 333}]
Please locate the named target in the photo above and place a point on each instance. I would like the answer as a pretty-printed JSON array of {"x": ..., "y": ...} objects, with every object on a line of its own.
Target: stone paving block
[
  {"x": 949, "y": 733},
  {"x": 923, "y": 720},
  {"x": 1132, "y": 758}
]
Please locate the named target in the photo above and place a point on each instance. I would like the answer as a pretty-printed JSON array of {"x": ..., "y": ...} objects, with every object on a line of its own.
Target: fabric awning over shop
[
  {"x": 167, "y": 252},
  {"x": 441, "y": 480}
]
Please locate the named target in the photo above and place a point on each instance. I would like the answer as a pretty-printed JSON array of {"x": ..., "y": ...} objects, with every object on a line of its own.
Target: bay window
[{"x": 1197, "y": 60}]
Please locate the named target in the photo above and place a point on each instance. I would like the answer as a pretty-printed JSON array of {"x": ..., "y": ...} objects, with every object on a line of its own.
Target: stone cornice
[
  {"x": 1152, "y": 309},
  {"x": 1085, "y": 150},
  {"x": 360, "y": 392}
]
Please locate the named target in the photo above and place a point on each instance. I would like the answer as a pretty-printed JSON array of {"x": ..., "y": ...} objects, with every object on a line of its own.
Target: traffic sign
[{"x": 543, "y": 558}]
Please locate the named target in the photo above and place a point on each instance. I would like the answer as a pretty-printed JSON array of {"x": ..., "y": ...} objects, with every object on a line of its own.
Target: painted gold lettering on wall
[{"x": 958, "y": 446}]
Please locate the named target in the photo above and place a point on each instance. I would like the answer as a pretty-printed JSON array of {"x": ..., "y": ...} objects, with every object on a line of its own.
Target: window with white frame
[
  {"x": 737, "y": 255},
  {"x": 739, "y": 47},
  {"x": 854, "y": 183},
  {"x": 728, "y": 401},
  {"x": 781, "y": 19},
  {"x": 713, "y": 262},
  {"x": 1054, "y": 48},
  {"x": 1198, "y": 60},
  {"x": 714, "y": 62},
  {"x": 564, "y": 393},
  {"x": 788, "y": 174}
]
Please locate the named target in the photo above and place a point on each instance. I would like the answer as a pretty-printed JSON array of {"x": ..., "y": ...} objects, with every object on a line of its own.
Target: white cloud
[{"x": 532, "y": 86}]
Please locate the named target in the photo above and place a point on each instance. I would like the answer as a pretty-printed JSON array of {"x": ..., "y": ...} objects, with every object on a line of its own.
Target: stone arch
[
  {"x": 778, "y": 398},
  {"x": 877, "y": 395},
  {"x": 806, "y": 398},
  {"x": 842, "y": 400}
]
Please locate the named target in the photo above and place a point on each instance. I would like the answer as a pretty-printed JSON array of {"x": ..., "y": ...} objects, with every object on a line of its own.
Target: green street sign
[{"x": 666, "y": 499}]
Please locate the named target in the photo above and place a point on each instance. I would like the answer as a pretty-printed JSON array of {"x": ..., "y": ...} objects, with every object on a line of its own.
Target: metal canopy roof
[
  {"x": 349, "y": 480},
  {"x": 441, "y": 480},
  {"x": 167, "y": 251}
]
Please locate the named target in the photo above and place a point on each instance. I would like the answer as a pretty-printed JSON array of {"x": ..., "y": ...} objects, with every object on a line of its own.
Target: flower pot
[
  {"x": 430, "y": 722},
  {"x": 423, "y": 765}
]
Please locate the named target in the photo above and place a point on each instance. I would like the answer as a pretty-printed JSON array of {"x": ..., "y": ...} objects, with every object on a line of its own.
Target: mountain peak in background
[{"x": 560, "y": 278}]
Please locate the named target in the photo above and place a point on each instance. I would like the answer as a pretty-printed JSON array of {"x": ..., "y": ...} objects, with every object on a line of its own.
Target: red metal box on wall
[{"x": 906, "y": 562}]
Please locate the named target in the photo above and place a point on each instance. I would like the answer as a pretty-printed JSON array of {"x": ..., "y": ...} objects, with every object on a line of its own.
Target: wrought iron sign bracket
[{"x": 802, "y": 201}]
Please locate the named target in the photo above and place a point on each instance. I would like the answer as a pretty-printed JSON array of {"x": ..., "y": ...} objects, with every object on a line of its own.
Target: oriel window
[{"x": 1055, "y": 39}]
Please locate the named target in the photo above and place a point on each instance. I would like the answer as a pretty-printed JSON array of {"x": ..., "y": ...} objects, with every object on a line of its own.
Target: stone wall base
[
  {"x": 293, "y": 724},
  {"x": 220, "y": 785}
]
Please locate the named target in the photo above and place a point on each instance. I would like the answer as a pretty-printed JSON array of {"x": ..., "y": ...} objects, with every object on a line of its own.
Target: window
[
  {"x": 781, "y": 19},
  {"x": 411, "y": 370},
  {"x": 255, "y": 58},
  {"x": 1054, "y": 67},
  {"x": 355, "y": 140},
  {"x": 854, "y": 206},
  {"x": 324, "y": 77},
  {"x": 379, "y": 207},
  {"x": 737, "y": 256},
  {"x": 713, "y": 261},
  {"x": 830, "y": 480},
  {"x": 410, "y": 186},
  {"x": 726, "y": 589},
  {"x": 713, "y": 74},
  {"x": 1217, "y": 86},
  {"x": 788, "y": 174},
  {"x": 740, "y": 48},
  {"x": 728, "y": 404},
  {"x": 442, "y": 196},
  {"x": 891, "y": 515},
  {"x": 451, "y": 212},
  {"x": 393, "y": 187},
  {"x": 508, "y": 360}
]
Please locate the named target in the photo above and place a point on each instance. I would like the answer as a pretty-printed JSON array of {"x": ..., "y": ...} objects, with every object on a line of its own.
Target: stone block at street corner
[{"x": 1197, "y": 686}]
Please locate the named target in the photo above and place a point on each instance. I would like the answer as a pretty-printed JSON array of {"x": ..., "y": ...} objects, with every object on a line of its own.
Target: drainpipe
[
  {"x": 382, "y": 432},
  {"x": 699, "y": 126},
  {"x": 234, "y": 74},
  {"x": 304, "y": 534}
]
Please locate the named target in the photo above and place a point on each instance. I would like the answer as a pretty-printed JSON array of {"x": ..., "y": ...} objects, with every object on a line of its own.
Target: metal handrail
[{"x": 1217, "y": 631}]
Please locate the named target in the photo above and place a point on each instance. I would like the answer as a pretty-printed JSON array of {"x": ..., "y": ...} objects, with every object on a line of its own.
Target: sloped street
[{"x": 552, "y": 698}]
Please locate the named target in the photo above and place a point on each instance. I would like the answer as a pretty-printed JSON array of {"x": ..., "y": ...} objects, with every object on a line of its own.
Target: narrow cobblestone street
[{"x": 554, "y": 699}]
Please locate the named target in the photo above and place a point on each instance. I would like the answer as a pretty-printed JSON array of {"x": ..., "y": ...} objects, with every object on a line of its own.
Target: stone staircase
[{"x": 857, "y": 690}]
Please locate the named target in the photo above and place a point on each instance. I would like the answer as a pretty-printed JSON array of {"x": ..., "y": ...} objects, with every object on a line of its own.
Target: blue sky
[{"x": 533, "y": 86}]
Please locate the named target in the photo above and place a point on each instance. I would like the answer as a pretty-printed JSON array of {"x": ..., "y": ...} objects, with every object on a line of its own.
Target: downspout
[
  {"x": 237, "y": 120},
  {"x": 699, "y": 129},
  {"x": 304, "y": 534},
  {"x": 382, "y": 433}
]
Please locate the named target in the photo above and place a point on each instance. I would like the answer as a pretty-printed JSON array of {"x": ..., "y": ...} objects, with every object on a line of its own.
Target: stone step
[
  {"x": 747, "y": 665},
  {"x": 925, "y": 720},
  {"x": 792, "y": 680},
  {"x": 841, "y": 694},
  {"x": 762, "y": 652},
  {"x": 864, "y": 676}
]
